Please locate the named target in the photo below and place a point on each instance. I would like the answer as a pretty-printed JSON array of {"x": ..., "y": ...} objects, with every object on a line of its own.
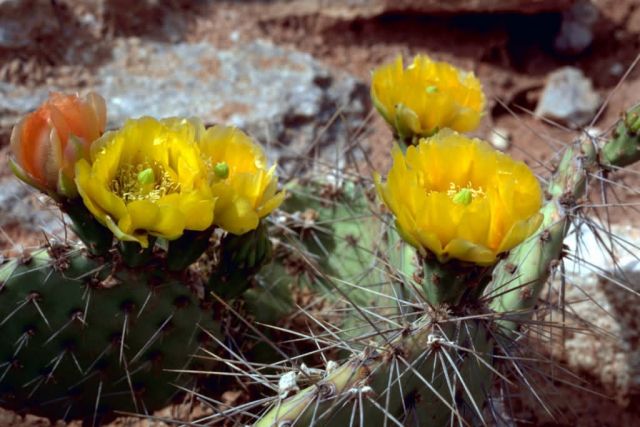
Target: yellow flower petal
[
  {"x": 426, "y": 96},
  {"x": 247, "y": 191},
  {"x": 148, "y": 178},
  {"x": 197, "y": 208},
  {"x": 519, "y": 232},
  {"x": 468, "y": 251},
  {"x": 499, "y": 209}
]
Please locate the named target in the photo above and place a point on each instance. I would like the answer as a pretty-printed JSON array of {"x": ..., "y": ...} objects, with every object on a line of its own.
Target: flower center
[
  {"x": 431, "y": 89},
  {"x": 144, "y": 181},
  {"x": 221, "y": 170},
  {"x": 464, "y": 195}
]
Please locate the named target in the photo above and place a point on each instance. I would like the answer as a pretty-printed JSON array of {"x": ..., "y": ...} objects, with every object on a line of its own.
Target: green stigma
[
  {"x": 221, "y": 170},
  {"x": 431, "y": 89},
  {"x": 463, "y": 197},
  {"x": 146, "y": 176}
]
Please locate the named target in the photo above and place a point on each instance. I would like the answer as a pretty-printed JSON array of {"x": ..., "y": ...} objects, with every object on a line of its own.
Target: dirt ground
[{"x": 511, "y": 53}]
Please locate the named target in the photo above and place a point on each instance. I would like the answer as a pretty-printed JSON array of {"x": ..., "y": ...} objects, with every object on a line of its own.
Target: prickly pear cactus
[
  {"x": 435, "y": 356},
  {"x": 420, "y": 283},
  {"x": 331, "y": 239},
  {"x": 84, "y": 336},
  {"x": 170, "y": 216}
]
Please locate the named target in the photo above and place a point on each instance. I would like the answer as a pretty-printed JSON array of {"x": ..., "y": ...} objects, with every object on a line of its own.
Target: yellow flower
[
  {"x": 458, "y": 198},
  {"x": 47, "y": 143},
  {"x": 246, "y": 189},
  {"x": 426, "y": 96},
  {"x": 148, "y": 178}
]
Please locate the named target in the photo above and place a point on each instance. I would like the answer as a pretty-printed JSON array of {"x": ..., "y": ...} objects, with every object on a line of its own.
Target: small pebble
[
  {"x": 568, "y": 98},
  {"x": 500, "y": 139},
  {"x": 616, "y": 69}
]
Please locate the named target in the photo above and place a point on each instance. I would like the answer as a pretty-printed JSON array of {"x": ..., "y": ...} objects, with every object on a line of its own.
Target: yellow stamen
[{"x": 143, "y": 182}]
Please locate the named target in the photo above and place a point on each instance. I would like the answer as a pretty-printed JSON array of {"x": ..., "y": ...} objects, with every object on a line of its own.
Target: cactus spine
[{"x": 440, "y": 368}]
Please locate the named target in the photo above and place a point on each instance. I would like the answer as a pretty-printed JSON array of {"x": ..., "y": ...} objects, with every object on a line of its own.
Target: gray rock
[
  {"x": 284, "y": 98},
  {"x": 575, "y": 33},
  {"x": 20, "y": 204},
  {"x": 568, "y": 98}
]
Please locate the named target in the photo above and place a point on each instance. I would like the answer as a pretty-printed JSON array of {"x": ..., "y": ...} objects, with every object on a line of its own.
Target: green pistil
[
  {"x": 463, "y": 197},
  {"x": 146, "y": 177},
  {"x": 221, "y": 170},
  {"x": 432, "y": 89},
  {"x": 143, "y": 182}
]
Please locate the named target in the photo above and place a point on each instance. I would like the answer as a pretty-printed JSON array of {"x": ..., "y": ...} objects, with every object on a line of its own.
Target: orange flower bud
[{"x": 47, "y": 142}]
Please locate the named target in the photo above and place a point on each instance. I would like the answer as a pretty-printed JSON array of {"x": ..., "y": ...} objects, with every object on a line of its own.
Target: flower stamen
[{"x": 143, "y": 181}]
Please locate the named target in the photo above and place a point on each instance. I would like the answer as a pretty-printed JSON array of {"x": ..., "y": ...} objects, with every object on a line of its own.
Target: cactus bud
[
  {"x": 46, "y": 143},
  {"x": 632, "y": 120},
  {"x": 240, "y": 257}
]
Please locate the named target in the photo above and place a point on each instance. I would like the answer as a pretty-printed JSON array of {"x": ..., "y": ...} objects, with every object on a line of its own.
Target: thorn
[
  {"x": 66, "y": 412},
  {"x": 152, "y": 339},
  {"x": 95, "y": 410},
  {"x": 35, "y": 302},
  {"x": 145, "y": 365},
  {"x": 144, "y": 304},
  {"x": 100, "y": 356},
  {"x": 75, "y": 362},
  {"x": 22, "y": 304},
  {"x": 122, "y": 337},
  {"x": 75, "y": 316},
  {"x": 9, "y": 366},
  {"x": 86, "y": 305},
  {"x": 130, "y": 383},
  {"x": 37, "y": 386},
  {"x": 21, "y": 342},
  {"x": 56, "y": 361}
]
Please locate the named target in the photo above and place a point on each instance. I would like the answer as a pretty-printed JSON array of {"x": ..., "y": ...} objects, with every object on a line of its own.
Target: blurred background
[{"x": 294, "y": 73}]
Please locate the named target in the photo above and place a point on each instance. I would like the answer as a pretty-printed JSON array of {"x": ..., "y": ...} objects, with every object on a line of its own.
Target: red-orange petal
[{"x": 34, "y": 131}]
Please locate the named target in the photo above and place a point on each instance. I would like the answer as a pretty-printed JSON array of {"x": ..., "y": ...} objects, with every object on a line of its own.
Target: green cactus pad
[
  {"x": 336, "y": 244},
  {"x": 83, "y": 337},
  {"x": 433, "y": 373}
]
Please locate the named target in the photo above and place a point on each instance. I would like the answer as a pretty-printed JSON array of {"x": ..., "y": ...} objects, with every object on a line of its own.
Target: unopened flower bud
[{"x": 47, "y": 142}]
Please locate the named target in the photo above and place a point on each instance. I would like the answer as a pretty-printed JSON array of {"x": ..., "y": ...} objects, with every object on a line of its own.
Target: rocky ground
[{"x": 295, "y": 73}]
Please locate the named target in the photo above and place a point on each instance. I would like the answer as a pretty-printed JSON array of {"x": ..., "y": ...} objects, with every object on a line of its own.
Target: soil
[{"x": 511, "y": 53}]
